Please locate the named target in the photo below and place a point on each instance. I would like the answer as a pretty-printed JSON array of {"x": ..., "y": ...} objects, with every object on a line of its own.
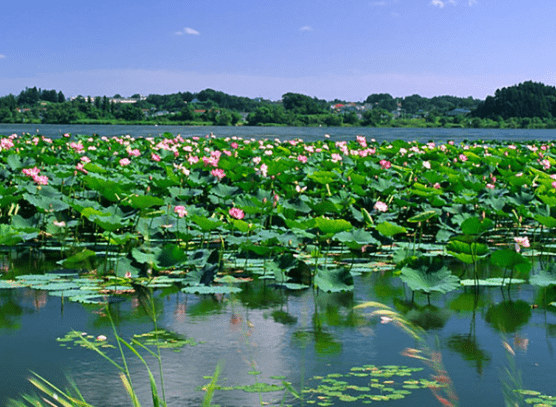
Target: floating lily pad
[{"x": 202, "y": 289}]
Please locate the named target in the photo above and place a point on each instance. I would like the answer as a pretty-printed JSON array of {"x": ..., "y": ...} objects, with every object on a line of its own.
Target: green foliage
[{"x": 428, "y": 274}]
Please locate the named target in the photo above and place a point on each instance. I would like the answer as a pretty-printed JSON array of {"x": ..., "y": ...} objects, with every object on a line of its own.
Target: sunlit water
[{"x": 298, "y": 335}]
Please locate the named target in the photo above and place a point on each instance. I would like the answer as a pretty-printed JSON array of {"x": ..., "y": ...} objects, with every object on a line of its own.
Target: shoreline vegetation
[{"x": 528, "y": 105}]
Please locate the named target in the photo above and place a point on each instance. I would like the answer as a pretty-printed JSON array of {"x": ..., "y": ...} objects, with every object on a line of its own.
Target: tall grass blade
[
  {"x": 211, "y": 388},
  {"x": 129, "y": 388},
  {"x": 154, "y": 391}
]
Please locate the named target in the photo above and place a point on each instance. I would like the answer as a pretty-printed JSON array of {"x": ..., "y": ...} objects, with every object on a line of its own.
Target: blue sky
[{"x": 328, "y": 48}]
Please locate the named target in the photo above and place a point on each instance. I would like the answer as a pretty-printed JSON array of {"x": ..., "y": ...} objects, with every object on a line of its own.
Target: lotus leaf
[
  {"x": 545, "y": 277},
  {"x": 203, "y": 289},
  {"x": 510, "y": 259},
  {"x": 427, "y": 274},
  {"x": 333, "y": 279}
]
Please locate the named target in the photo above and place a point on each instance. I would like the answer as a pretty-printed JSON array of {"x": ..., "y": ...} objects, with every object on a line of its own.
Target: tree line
[{"x": 527, "y": 105}]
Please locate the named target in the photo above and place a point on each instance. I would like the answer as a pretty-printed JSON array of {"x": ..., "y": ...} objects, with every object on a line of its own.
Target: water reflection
[{"x": 297, "y": 334}]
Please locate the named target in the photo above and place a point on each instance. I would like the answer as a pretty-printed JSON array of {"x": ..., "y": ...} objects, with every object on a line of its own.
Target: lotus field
[{"x": 207, "y": 213}]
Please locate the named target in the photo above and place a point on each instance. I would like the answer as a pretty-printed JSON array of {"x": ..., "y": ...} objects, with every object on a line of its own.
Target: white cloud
[
  {"x": 306, "y": 28},
  {"x": 378, "y": 3},
  {"x": 442, "y": 3},
  {"x": 191, "y": 31},
  {"x": 2, "y": 56},
  {"x": 471, "y": 2}
]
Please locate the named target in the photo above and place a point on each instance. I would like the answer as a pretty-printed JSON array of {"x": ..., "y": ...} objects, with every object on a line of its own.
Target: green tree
[
  {"x": 6, "y": 115},
  {"x": 302, "y": 104},
  {"x": 376, "y": 117},
  {"x": 224, "y": 118},
  {"x": 350, "y": 118}
]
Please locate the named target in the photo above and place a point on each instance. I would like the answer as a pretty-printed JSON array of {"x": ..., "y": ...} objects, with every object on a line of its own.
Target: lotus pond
[{"x": 324, "y": 273}]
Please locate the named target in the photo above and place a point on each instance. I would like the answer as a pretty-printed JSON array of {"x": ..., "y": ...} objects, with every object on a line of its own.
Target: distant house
[{"x": 458, "y": 112}]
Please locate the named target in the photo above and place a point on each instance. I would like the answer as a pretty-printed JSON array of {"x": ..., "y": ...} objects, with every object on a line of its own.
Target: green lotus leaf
[
  {"x": 547, "y": 221},
  {"x": 83, "y": 258},
  {"x": 428, "y": 274},
  {"x": 223, "y": 191},
  {"x": 203, "y": 289},
  {"x": 72, "y": 293},
  {"x": 476, "y": 225},
  {"x": 510, "y": 259},
  {"x": 58, "y": 286},
  {"x": 356, "y": 238},
  {"x": 94, "y": 168},
  {"x": 333, "y": 279},
  {"x": 109, "y": 223},
  {"x": 332, "y": 226},
  {"x": 323, "y": 177},
  {"x": 123, "y": 266},
  {"x": 206, "y": 224},
  {"x": 545, "y": 277},
  {"x": 7, "y": 284},
  {"x": 143, "y": 201},
  {"x": 491, "y": 282},
  {"x": 390, "y": 229},
  {"x": 423, "y": 216}
]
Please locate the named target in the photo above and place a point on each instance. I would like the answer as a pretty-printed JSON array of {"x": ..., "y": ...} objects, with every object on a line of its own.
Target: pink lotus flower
[
  {"x": 81, "y": 167},
  {"x": 6, "y": 144},
  {"x": 41, "y": 179},
  {"x": 302, "y": 159},
  {"x": 155, "y": 157},
  {"x": 380, "y": 206},
  {"x": 385, "y": 164},
  {"x": 180, "y": 210},
  {"x": 234, "y": 145},
  {"x": 124, "y": 161},
  {"x": 463, "y": 157},
  {"x": 31, "y": 172},
  {"x": 218, "y": 173},
  {"x": 336, "y": 157},
  {"x": 521, "y": 242},
  {"x": 489, "y": 186},
  {"x": 236, "y": 213},
  {"x": 134, "y": 153},
  {"x": 362, "y": 141}
]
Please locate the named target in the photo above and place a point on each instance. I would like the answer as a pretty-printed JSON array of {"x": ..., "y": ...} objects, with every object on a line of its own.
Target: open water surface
[
  {"x": 286, "y": 133},
  {"x": 296, "y": 335}
]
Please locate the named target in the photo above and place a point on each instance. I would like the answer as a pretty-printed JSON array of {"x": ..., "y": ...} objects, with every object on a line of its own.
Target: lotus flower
[{"x": 236, "y": 213}]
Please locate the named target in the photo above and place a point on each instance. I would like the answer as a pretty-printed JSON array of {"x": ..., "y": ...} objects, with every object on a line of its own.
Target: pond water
[
  {"x": 298, "y": 336},
  {"x": 487, "y": 342},
  {"x": 285, "y": 133}
]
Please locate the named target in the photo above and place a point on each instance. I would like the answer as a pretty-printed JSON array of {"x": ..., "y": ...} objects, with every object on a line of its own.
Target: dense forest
[{"x": 527, "y": 105}]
